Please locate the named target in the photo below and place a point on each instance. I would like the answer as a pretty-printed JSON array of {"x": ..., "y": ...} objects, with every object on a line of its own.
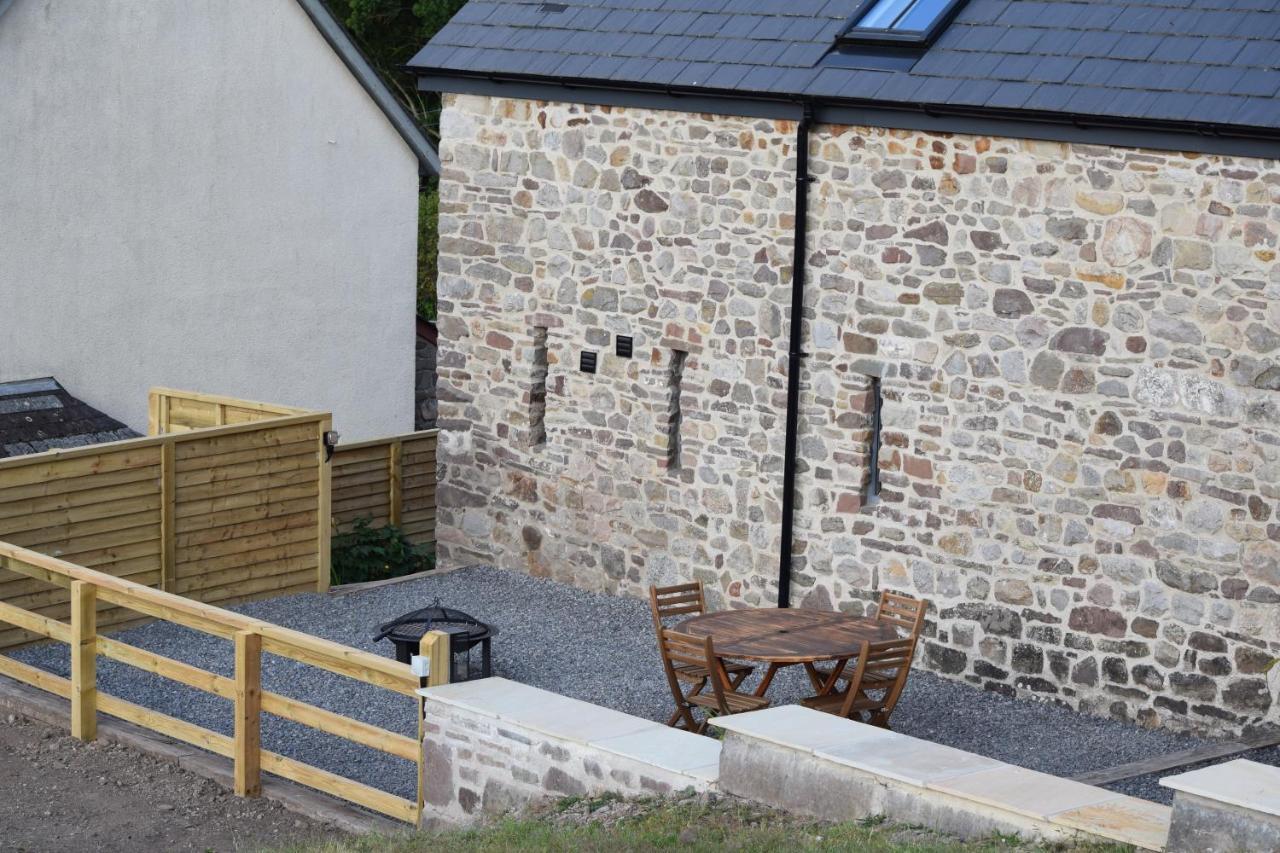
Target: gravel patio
[{"x": 593, "y": 647}]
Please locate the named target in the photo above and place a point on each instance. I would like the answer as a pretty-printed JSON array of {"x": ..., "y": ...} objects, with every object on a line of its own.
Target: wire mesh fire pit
[{"x": 464, "y": 630}]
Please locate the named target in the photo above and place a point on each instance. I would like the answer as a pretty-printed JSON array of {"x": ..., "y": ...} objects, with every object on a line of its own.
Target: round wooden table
[{"x": 783, "y": 637}]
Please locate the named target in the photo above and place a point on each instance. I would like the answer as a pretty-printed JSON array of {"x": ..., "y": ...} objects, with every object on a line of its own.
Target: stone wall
[
  {"x": 425, "y": 407},
  {"x": 493, "y": 746},
  {"x": 1078, "y": 347}
]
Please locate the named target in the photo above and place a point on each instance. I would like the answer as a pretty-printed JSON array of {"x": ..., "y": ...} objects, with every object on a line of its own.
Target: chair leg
[
  {"x": 684, "y": 711},
  {"x": 737, "y": 679}
]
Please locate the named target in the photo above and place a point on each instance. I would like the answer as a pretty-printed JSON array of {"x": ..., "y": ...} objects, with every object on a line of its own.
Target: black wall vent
[
  {"x": 588, "y": 362},
  {"x": 623, "y": 345}
]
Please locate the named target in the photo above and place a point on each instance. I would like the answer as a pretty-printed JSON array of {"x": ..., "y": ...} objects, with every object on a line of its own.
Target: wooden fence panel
[
  {"x": 108, "y": 521},
  {"x": 218, "y": 514},
  {"x": 247, "y": 513},
  {"x": 388, "y": 481}
]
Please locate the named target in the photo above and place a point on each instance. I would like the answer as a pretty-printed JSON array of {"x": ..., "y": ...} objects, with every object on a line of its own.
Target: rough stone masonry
[{"x": 1078, "y": 349}]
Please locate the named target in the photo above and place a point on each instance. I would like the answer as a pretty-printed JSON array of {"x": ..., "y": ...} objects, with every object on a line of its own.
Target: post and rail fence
[
  {"x": 250, "y": 637},
  {"x": 225, "y": 501}
]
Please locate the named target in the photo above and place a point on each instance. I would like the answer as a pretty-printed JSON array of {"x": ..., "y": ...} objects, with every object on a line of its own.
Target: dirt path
[{"x": 63, "y": 795}]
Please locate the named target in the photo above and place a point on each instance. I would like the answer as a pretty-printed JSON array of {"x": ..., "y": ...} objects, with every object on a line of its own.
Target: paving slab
[
  {"x": 1035, "y": 795},
  {"x": 802, "y": 728},
  {"x": 1129, "y": 820},
  {"x": 541, "y": 710},
  {"x": 671, "y": 749},
  {"x": 1241, "y": 783},
  {"x": 907, "y": 759}
]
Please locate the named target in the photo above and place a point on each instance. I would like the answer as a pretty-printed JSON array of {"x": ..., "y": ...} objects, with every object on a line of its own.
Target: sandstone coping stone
[
  {"x": 575, "y": 721},
  {"x": 1230, "y": 806},
  {"x": 879, "y": 771},
  {"x": 1239, "y": 782}
]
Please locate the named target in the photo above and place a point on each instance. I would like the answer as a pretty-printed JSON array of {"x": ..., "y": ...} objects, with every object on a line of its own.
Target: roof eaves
[{"x": 364, "y": 72}]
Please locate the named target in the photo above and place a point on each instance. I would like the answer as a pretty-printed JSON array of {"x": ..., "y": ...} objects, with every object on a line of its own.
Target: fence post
[
  {"x": 324, "y": 508},
  {"x": 434, "y": 646},
  {"x": 153, "y": 412},
  {"x": 395, "y": 493},
  {"x": 84, "y": 660},
  {"x": 248, "y": 723},
  {"x": 168, "y": 503}
]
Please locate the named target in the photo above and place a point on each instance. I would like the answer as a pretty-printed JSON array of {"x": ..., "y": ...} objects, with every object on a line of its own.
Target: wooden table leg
[{"x": 768, "y": 679}]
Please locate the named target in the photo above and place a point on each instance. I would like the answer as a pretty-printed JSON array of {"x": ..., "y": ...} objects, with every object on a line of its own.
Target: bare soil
[{"x": 58, "y": 794}]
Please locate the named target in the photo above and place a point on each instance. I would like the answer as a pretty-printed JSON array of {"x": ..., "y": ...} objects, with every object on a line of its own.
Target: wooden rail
[
  {"x": 220, "y": 514},
  {"x": 388, "y": 481},
  {"x": 169, "y": 410},
  {"x": 251, "y": 637}
]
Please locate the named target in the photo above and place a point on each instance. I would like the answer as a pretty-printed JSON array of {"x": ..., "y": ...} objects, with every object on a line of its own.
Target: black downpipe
[{"x": 794, "y": 354}]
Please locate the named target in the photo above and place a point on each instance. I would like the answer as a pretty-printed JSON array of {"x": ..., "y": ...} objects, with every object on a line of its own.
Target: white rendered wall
[{"x": 197, "y": 193}]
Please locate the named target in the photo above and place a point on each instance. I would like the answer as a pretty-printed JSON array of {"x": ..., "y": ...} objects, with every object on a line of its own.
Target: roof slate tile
[{"x": 1199, "y": 61}]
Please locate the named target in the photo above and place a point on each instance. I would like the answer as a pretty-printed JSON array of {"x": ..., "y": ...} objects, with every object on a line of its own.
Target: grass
[{"x": 606, "y": 824}]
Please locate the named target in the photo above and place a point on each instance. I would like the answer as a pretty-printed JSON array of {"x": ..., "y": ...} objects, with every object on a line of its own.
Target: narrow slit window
[
  {"x": 674, "y": 415},
  {"x": 538, "y": 388},
  {"x": 873, "y": 456},
  {"x": 903, "y": 22}
]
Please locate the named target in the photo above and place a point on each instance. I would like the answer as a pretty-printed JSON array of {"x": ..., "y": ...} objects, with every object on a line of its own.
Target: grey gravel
[{"x": 593, "y": 647}]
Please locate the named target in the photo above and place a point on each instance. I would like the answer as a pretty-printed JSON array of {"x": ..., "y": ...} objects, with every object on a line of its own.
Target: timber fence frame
[
  {"x": 220, "y": 515},
  {"x": 169, "y": 410},
  {"x": 388, "y": 481},
  {"x": 251, "y": 637}
]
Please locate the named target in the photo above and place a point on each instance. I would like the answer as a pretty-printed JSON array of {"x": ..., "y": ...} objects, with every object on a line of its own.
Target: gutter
[{"x": 795, "y": 354}]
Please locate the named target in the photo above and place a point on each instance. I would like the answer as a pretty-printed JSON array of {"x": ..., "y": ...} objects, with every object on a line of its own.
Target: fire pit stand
[{"x": 465, "y": 633}]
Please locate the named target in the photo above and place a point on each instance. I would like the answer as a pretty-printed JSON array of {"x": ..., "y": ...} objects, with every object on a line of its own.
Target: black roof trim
[
  {"x": 367, "y": 76},
  {"x": 1056, "y": 127}
]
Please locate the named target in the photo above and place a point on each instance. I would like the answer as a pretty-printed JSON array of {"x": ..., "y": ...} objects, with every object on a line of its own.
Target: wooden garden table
[{"x": 784, "y": 637}]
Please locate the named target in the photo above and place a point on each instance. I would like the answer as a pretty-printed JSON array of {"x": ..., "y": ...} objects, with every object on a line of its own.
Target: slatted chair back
[
  {"x": 685, "y": 599},
  {"x": 679, "y": 649},
  {"x": 878, "y": 679},
  {"x": 902, "y": 611},
  {"x": 700, "y": 651}
]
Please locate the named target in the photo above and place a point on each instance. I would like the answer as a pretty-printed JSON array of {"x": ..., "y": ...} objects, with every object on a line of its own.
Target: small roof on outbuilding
[
  {"x": 39, "y": 414},
  {"x": 1205, "y": 65}
]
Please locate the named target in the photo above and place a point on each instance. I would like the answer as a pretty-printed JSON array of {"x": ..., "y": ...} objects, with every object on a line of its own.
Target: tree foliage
[{"x": 390, "y": 32}]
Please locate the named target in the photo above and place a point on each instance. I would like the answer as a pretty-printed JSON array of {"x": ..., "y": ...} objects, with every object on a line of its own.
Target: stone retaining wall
[
  {"x": 494, "y": 746},
  {"x": 1079, "y": 351}
]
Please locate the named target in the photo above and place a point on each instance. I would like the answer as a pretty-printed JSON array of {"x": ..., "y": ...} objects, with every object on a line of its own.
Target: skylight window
[{"x": 905, "y": 22}]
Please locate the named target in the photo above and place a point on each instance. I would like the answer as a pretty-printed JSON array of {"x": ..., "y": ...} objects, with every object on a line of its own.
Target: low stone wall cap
[{"x": 1241, "y": 782}]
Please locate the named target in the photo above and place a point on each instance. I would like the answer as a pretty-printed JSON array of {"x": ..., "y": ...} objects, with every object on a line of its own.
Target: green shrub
[
  {"x": 428, "y": 250},
  {"x": 367, "y": 553}
]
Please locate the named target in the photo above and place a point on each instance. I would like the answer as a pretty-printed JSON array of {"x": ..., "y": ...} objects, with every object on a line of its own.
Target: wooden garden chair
[
  {"x": 902, "y": 611},
  {"x": 905, "y": 613},
  {"x": 687, "y": 600},
  {"x": 875, "y": 683},
  {"x": 685, "y": 651}
]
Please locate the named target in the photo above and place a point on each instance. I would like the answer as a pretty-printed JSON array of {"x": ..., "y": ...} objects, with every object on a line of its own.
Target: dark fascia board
[
  {"x": 1050, "y": 127},
  {"x": 364, "y": 72}
]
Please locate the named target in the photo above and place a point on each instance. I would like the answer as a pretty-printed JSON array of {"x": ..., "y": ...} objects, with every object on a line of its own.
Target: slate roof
[
  {"x": 39, "y": 414},
  {"x": 1213, "y": 62}
]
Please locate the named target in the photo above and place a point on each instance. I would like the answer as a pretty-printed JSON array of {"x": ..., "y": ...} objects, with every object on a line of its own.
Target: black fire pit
[{"x": 464, "y": 630}]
